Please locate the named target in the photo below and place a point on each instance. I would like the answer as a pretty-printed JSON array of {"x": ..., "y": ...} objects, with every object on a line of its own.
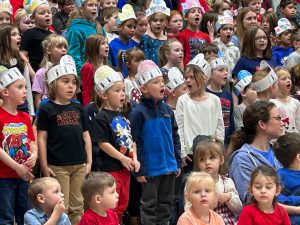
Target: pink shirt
[{"x": 189, "y": 218}]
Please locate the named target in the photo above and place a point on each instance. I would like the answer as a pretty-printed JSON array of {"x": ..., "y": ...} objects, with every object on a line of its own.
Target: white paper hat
[
  {"x": 215, "y": 63},
  {"x": 244, "y": 78},
  {"x": 126, "y": 14},
  {"x": 189, "y": 4},
  {"x": 31, "y": 5},
  {"x": 158, "y": 6},
  {"x": 283, "y": 25},
  {"x": 267, "y": 81},
  {"x": 8, "y": 76},
  {"x": 147, "y": 70},
  {"x": 66, "y": 66},
  {"x": 202, "y": 64},
  {"x": 175, "y": 79},
  {"x": 224, "y": 19},
  {"x": 5, "y": 6},
  {"x": 105, "y": 77}
]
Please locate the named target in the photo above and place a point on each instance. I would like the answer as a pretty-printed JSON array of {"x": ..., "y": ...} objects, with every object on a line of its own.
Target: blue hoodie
[
  {"x": 78, "y": 31},
  {"x": 280, "y": 54}
]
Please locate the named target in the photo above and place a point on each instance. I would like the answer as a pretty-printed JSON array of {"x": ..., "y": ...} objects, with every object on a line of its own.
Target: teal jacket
[{"x": 78, "y": 31}]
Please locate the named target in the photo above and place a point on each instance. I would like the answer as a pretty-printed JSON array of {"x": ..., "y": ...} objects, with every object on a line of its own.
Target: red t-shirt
[
  {"x": 87, "y": 78},
  {"x": 91, "y": 218},
  {"x": 252, "y": 215},
  {"x": 15, "y": 136}
]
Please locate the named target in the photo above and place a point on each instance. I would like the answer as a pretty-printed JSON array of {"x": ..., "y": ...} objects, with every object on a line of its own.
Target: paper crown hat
[
  {"x": 215, "y": 63},
  {"x": 244, "y": 78},
  {"x": 202, "y": 64},
  {"x": 105, "y": 77},
  {"x": 175, "y": 79},
  {"x": 224, "y": 19},
  {"x": 147, "y": 70},
  {"x": 8, "y": 76},
  {"x": 31, "y": 5},
  {"x": 267, "y": 81},
  {"x": 283, "y": 25},
  {"x": 5, "y": 6},
  {"x": 189, "y": 4},
  {"x": 126, "y": 14},
  {"x": 158, "y": 6},
  {"x": 66, "y": 66}
]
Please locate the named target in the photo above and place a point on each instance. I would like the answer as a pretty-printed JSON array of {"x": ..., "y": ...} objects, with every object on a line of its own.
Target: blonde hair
[
  {"x": 259, "y": 75},
  {"x": 278, "y": 70},
  {"x": 50, "y": 42},
  {"x": 20, "y": 13}
]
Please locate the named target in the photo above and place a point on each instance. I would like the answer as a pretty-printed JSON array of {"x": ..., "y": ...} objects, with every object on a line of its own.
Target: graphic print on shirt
[
  {"x": 121, "y": 127},
  {"x": 225, "y": 103},
  {"x": 68, "y": 118},
  {"x": 195, "y": 45},
  {"x": 15, "y": 142},
  {"x": 285, "y": 118}
]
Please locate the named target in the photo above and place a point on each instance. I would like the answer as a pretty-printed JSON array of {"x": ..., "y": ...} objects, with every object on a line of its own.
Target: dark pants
[
  {"x": 13, "y": 200},
  {"x": 157, "y": 197}
]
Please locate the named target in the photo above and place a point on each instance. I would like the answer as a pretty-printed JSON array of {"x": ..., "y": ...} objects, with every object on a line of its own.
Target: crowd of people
[{"x": 154, "y": 112}]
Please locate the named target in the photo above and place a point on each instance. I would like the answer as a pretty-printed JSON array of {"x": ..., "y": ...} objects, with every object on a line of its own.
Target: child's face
[
  {"x": 226, "y": 33},
  {"x": 194, "y": 17},
  {"x": 133, "y": 64},
  {"x": 210, "y": 163},
  {"x": 176, "y": 23},
  {"x": 126, "y": 30},
  {"x": 284, "y": 82},
  {"x": 249, "y": 95},
  {"x": 219, "y": 75},
  {"x": 296, "y": 43},
  {"x": 53, "y": 194},
  {"x": 110, "y": 197},
  {"x": 55, "y": 53},
  {"x": 115, "y": 96},
  {"x": 108, "y": 3},
  {"x": 265, "y": 25},
  {"x": 141, "y": 26},
  {"x": 104, "y": 49},
  {"x": 158, "y": 23},
  {"x": 225, "y": 6},
  {"x": 176, "y": 53},
  {"x": 289, "y": 11},
  {"x": 255, "y": 5},
  {"x": 261, "y": 41},
  {"x": 111, "y": 22},
  {"x": 65, "y": 88},
  {"x": 191, "y": 83},
  {"x": 264, "y": 190},
  {"x": 68, "y": 7},
  {"x": 26, "y": 23},
  {"x": 15, "y": 39},
  {"x": 17, "y": 92},
  {"x": 285, "y": 38},
  {"x": 43, "y": 16},
  {"x": 89, "y": 9},
  {"x": 249, "y": 20},
  {"x": 4, "y": 18},
  {"x": 155, "y": 88}
]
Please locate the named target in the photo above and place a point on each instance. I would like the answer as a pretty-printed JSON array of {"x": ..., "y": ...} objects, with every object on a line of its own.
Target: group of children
[{"x": 150, "y": 108}]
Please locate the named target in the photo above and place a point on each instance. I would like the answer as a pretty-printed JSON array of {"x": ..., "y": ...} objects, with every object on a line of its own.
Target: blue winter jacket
[
  {"x": 154, "y": 130},
  {"x": 78, "y": 31},
  {"x": 242, "y": 163}
]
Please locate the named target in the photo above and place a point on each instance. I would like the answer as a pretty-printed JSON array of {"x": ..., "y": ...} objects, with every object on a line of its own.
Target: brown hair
[
  {"x": 165, "y": 47},
  {"x": 295, "y": 77},
  {"x": 129, "y": 55},
  {"x": 218, "y": 4},
  {"x": 151, "y": 17},
  {"x": 106, "y": 13},
  {"x": 173, "y": 13},
  {"x": 198, "y": 73},
  {"x": 208, "y": 17},
  {"x": 272, "y": 18}
]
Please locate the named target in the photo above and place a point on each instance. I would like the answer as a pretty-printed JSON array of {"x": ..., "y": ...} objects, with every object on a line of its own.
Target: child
[
  {"x": 230, "y": 52},
  {"x": 55, "y": 47},
  {"x": 157, "y": 16},
  {"x": 6, "y": 12},
  {"x": 254, "y": 5},
  {"x": 200, "y": 192},
  {"x": 289, "y": 107},
  {"x": 264, "y": 187},
  {"x": 100, "y": 198},
  {"x": 31, "y": 42},
  {"x": 59, "y": 120},
  {"x": 96, "y": 55},
  {"x": 22, "y": 21},
  {"x": 112, "y": 132},
  {"x": 126, "y": 22},
  {"x": 288, "y": 9},
  {"x": 80, "y": 28},
  {"x": 294, "y": 58},
  {"x": 108, "y": 19},
  {"x": 221, "y": 6},
  {"x": 174, "y": 24},
  {"x": 170, "y": 55},
  {"x": 197, "y": 112},
  {"x": 107, "y": 3},
  {"x": 61, "y": 18},
  {"x": 283, "y": 34},
  {"x": 216, "y": 86},
  {"x": 18, "y": 152},
  {"x": 209, "y": 157},
  {"x": 244, "y": 88},
  {"x": 48, "y": 202},
  {"x": 269, "y": 21},
  {"x": 141, "y": 26},
  {"x": 131, "y": 58},
  {"x": 191, "y": 38},
  {"x": 158, "y": 151}
]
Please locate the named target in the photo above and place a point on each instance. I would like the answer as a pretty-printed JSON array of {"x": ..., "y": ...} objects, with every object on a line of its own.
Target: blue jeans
[{"x": 13, "y": 200}]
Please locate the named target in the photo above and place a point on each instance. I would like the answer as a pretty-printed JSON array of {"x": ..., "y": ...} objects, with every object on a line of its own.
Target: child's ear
[
  {"x": 222, "y": 160},
  {"x": 41, "y": 198},
  {"x": 278, "y": 190},
  {"x": 97, "y": 199},
  {"x": 143, "y": 89},
  {"x": 250, "y": 190},
  {"x": 243, "y": 94},
  {"x": 48, "y": 51},
  {"x": 4, "y": 92},
  {"x": 103, "y": 95}
]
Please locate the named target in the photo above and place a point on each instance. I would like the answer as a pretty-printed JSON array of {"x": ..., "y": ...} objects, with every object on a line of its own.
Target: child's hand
[
  {"x": 59, "y": 207},
  {"x": 47, "y": 171},
  {"x": 184, "y": 160},
  {"x": 24, "y": 172},
  {"x": 178, "y": 172},
  {"x": 127, "y": 163},
  {"x": 30, "y": 162},
  {"x": 224, "y": 197},
  {"x": 88, "y": 167},
  {"x": 210, "y": 27},
  {"x": 137, "y": 165},
  {"x": 141, "y": 179}
]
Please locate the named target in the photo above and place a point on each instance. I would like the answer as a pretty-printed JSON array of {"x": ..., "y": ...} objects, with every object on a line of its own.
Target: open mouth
[
  {"x": 288, "y": 85},
  {"x": 19, "y": 43},
  {"x": 162, "y": 91},
  {"x": 197, "y": 19},
  {"x": 228, "y": 36}
]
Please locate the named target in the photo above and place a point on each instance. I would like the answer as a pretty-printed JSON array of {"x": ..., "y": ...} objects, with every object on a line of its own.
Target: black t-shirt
[
  {"x": 114, "y": 128},
  {"x": 32, "y": 43},
  {"x": 65, "y": 125}
]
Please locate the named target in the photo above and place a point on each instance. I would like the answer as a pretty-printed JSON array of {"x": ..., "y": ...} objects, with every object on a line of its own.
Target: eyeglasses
[
  {"x": 278, "y": 118},
  {"x": 261, "y": 38}
]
